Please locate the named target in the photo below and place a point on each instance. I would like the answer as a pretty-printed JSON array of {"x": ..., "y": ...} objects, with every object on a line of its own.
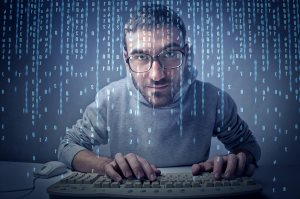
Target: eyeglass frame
[{"x": 156, "y": 57}]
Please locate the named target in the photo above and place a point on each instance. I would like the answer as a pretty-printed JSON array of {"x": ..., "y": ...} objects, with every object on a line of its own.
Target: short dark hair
[{"x": 149, "y": 16}]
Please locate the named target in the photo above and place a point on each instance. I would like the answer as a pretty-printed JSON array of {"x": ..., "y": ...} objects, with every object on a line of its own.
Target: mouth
[{"x": 159, "y": 87}]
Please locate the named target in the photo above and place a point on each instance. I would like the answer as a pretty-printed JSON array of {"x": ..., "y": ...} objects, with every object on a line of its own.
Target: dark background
[{"x": 55, "y": 56}]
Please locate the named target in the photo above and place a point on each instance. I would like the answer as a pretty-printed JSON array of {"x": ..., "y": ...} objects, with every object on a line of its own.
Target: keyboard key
[
  {"x": 186, "y": 184},
  {"x": 128, "y": 184},
  {"x": 208, "y": 184},
  {"x": 226, "y": 183},
  {"x": 169, "y": 185},
  {"x": 98, "y": 184},
  {"x": 234, "y": 183},
  {"x": 155, "y": 184},
  {"x": 196, "y": 184},
  {"x": 106, "y": 184},
  {"x": 115, "y": 185},
  {"x": 250, "y": 182},
  {"x": 146, "y": 184},
  {"x": 178, "y": 184},
  {"x": 163, "y": 182},
  {"x": 137, "y": 184},
  {"x": 218, "y": 184}
]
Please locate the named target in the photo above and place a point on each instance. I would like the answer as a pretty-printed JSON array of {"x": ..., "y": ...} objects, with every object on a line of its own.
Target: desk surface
[{"x": 277, "y": 181}]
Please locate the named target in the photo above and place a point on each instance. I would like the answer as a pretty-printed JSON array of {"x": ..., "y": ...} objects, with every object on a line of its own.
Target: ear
[{"x": 125, "y": 55}]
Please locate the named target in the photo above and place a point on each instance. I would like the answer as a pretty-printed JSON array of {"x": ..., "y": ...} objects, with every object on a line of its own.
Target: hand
[
  {"x": 233, "y": 165},
  {"x": 130, "y": 165}
]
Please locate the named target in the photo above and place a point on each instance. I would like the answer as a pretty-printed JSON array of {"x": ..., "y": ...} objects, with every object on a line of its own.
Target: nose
[{"x": 156, "y": 72}]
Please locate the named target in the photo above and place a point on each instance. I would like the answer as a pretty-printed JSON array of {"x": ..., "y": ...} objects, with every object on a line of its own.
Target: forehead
[{"x": 153, "y": 40}]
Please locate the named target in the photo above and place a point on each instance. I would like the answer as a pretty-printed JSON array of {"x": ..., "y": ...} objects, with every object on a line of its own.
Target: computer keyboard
[{"x": 169, "y": 185}]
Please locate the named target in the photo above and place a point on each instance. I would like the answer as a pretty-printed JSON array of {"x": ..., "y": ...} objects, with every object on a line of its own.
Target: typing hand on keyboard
[
  {"x": 121, "y": 173},
  {"x": 229, "y": 166},
  {"x": 130, "y": 166}
]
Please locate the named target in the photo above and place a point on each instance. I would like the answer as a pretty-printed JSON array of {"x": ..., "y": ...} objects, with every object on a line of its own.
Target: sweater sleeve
[
  {"x": 88, "y": 131},
  {"x": 231, "y": 130}
]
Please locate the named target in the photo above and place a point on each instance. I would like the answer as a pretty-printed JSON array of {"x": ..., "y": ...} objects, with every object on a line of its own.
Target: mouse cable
[{"x": 25, "y": 189}]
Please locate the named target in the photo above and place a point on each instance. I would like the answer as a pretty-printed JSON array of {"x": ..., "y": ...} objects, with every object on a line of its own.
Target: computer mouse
[{"x": 51, "y": 169}]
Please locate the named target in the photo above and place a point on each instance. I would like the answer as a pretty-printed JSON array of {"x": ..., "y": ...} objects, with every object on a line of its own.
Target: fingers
[
  {"x": 202, "y": 167},
  {"x": 218, "y": 167},
  {"x": 123, "y": 165},
  {"x": 235, "y": 166},
  {"x": 131, "y": 165},
  {"x": 232, "y": 161},
  {"x": 241, "y": 157},
  {"x": 150, "y": 173},
  {"x": 157, "y": 171},
  {"x": 135, "y": 165},
  {"x": 232, "y": 165},
  {"x": 197, "y": 169},
  {"x": 110, "y": 171}
]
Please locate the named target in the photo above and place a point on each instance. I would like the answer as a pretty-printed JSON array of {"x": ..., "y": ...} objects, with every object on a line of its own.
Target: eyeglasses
[{"x": 168, "y": 58}]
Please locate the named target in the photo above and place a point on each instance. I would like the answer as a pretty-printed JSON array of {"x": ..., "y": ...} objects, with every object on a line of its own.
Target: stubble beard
[{"x": 154, "y": 96}]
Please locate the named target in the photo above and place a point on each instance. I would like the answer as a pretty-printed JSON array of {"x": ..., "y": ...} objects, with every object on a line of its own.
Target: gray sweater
[{"x": 176, "y": 135}]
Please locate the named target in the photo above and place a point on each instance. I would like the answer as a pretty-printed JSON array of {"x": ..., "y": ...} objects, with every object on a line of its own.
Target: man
[{"x": 159, "y": 115}]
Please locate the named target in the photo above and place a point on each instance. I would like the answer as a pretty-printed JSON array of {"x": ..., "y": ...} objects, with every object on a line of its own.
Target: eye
[
  {"x": 140, "y": 57},
  {"x": 170, "y": 54}
]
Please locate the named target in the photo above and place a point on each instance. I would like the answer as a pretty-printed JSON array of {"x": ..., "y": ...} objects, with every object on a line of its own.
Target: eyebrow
[{"x": 169, "y": 45}]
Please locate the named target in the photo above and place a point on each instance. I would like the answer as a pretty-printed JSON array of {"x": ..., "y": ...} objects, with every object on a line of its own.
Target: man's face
[{"x": 158, "y": 85}]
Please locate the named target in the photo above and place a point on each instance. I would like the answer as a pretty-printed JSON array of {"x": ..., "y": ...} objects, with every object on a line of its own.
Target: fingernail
[
  {"x": 152, "y": 177},
  {"x": 217, "y": 176},
  {"x": 118, "y": 179},
  {"x": 226, "y": 175},
  {"x": 138, "y": 175}
]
